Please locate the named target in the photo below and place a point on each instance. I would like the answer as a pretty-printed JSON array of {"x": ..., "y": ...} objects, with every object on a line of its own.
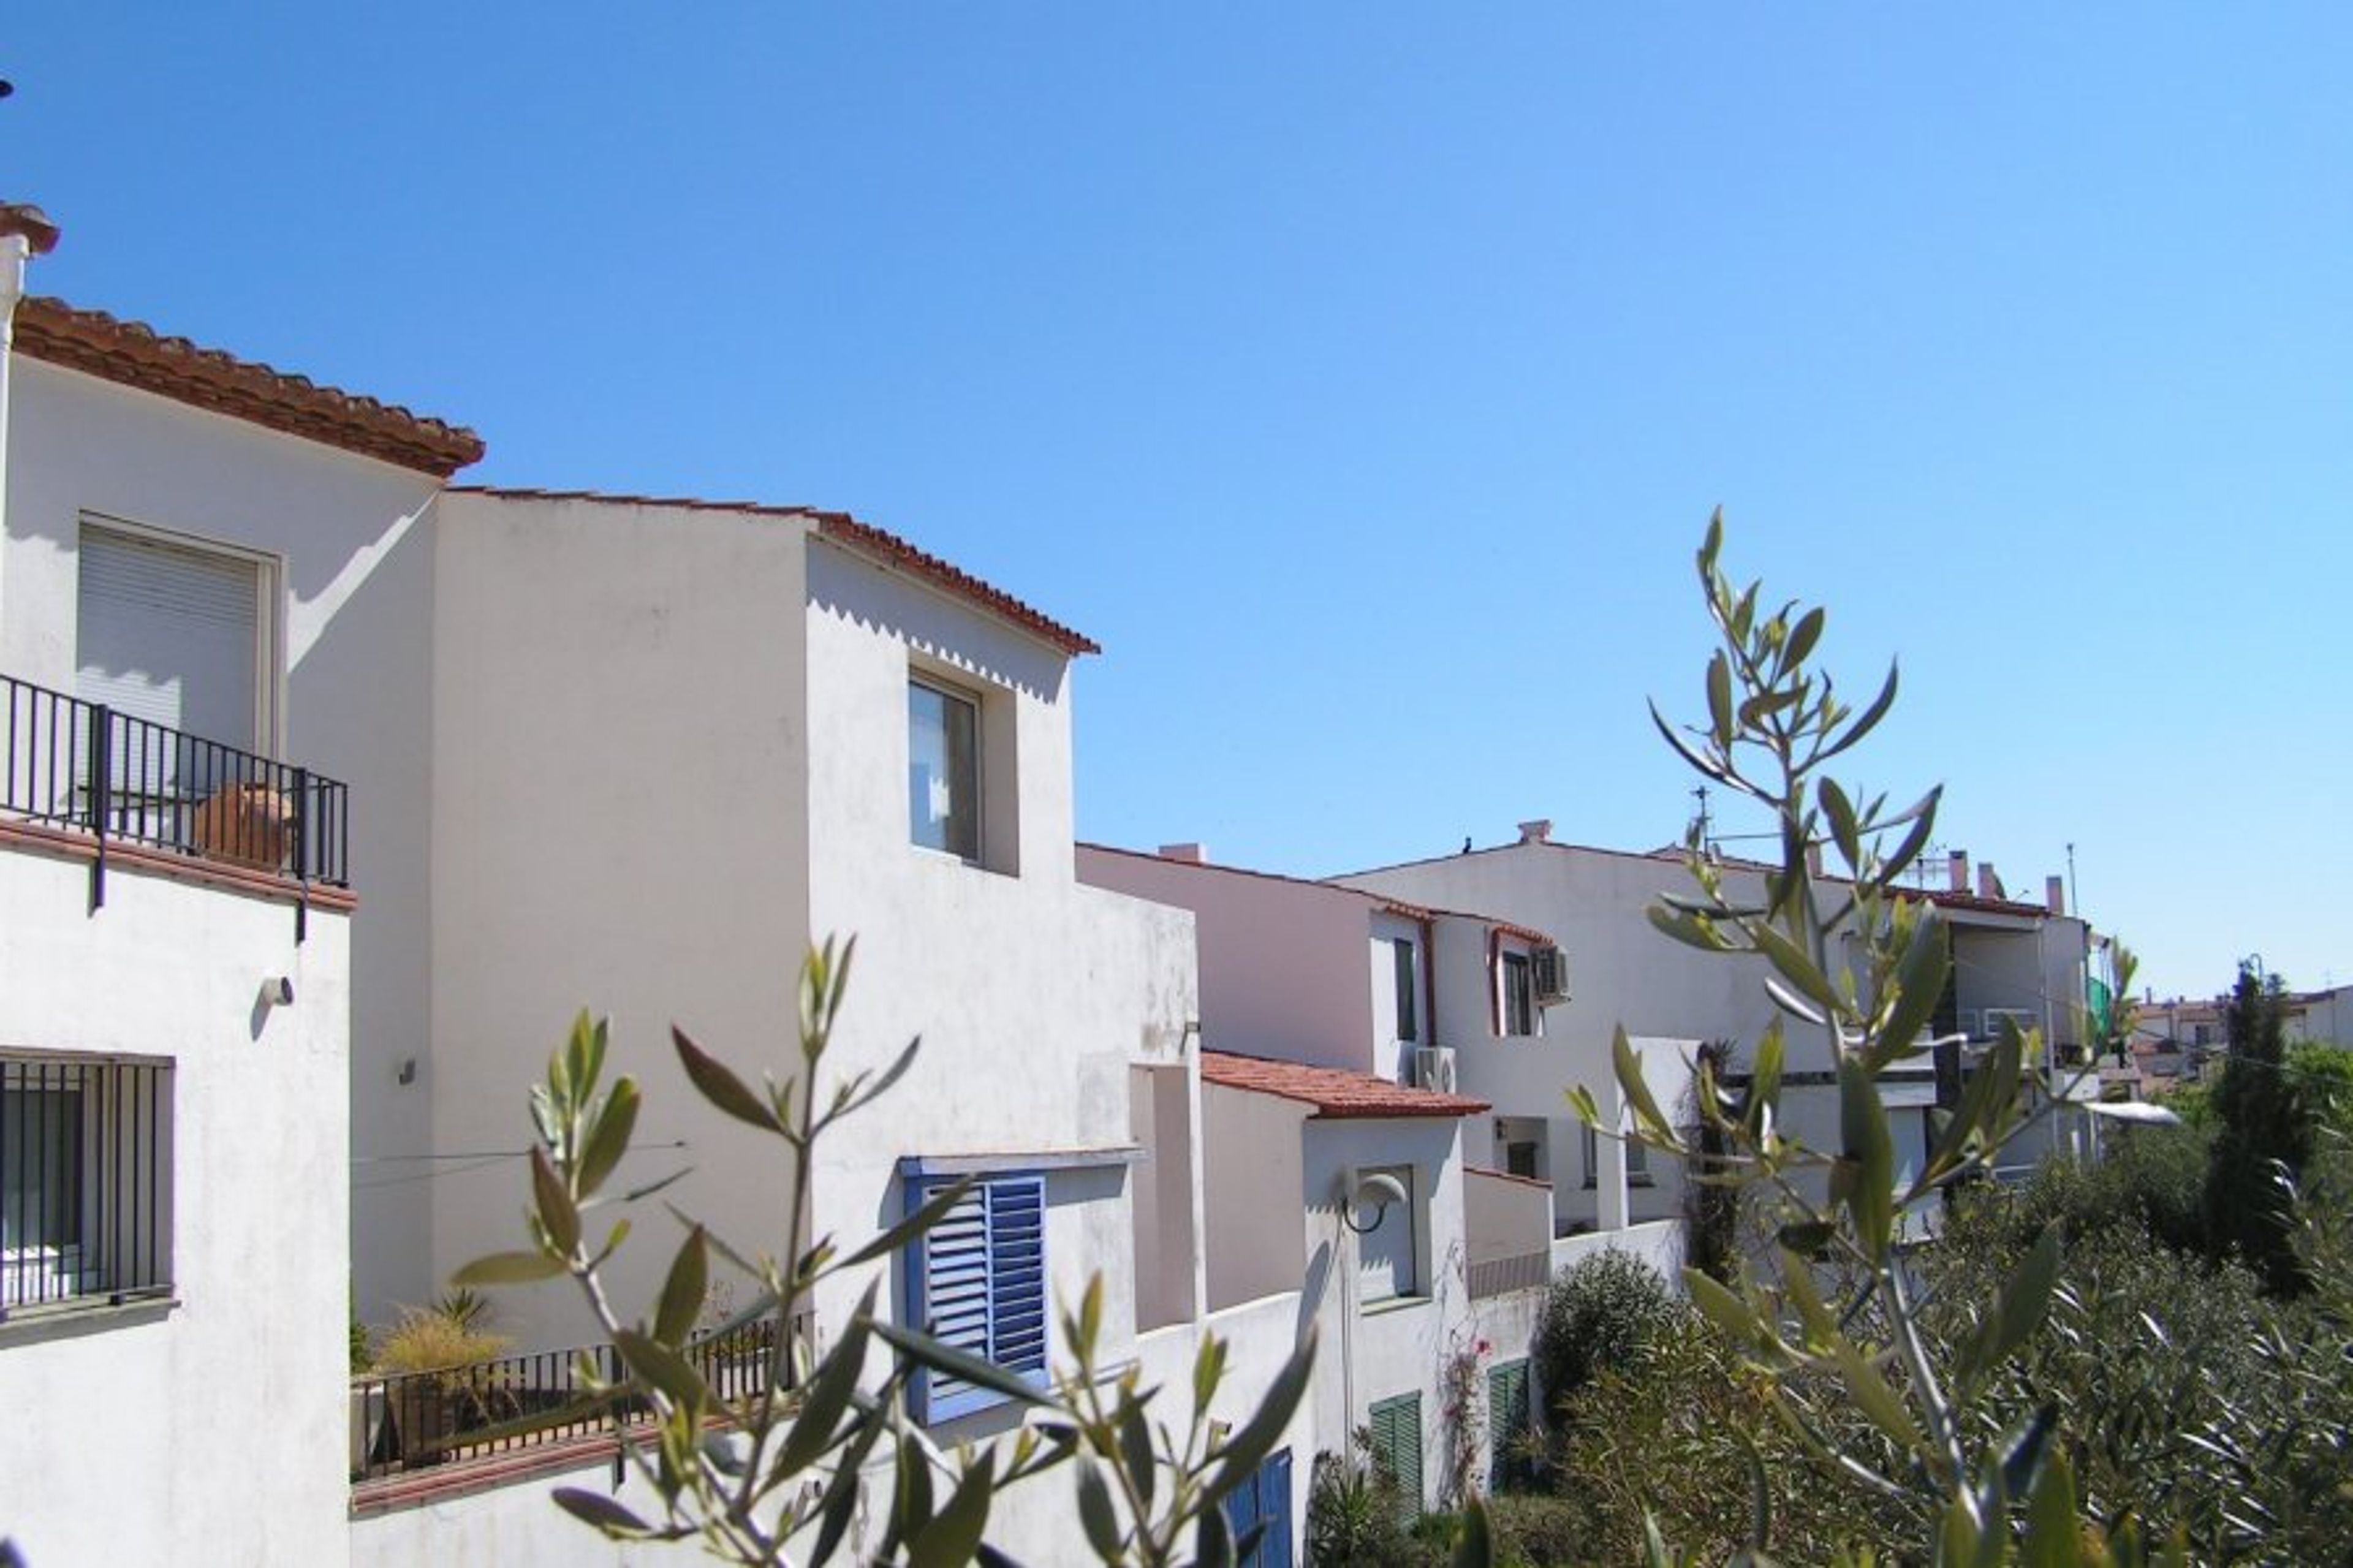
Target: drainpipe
[{"x": 24, "y": 232}]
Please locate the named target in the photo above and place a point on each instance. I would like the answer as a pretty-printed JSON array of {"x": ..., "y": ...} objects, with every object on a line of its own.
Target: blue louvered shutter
[
  {"x": 978, "y": 1283},
  {"x": 1264, "y": 1498}
]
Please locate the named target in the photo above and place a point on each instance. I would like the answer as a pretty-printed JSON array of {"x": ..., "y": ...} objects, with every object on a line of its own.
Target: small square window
[{"x": 943, "y": 770}]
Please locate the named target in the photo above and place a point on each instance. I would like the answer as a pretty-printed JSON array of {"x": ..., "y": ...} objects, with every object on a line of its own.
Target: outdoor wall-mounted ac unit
[
  {"x": 1433, "y": 1067},
  {"x": 1551, "y": 975}
]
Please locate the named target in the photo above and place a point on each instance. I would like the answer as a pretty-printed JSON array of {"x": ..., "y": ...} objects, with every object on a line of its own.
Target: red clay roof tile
[
  {"x": 135, "y": 354},
  {"x": 1334, "y": 1092}
]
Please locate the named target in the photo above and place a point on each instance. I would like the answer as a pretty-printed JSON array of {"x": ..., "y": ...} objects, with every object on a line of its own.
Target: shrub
[
  {"x": 427, "y": 1339},
  {"x": 1532, "y": 1530},
  {"x": 1355, "y": 1515},
  {"x": 1600, "y": 1311}
]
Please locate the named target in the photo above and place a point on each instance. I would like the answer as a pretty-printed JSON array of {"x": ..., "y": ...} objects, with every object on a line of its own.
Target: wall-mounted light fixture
[
  {"x": 1375, "y": 1190},
  {"x": 277, "y": 990}
]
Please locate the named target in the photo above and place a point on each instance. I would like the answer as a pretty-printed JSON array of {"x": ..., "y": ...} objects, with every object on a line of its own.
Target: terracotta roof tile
[
  {"x": 864, "y": 538},
  {"x": 135, "y": 355},
  {"x": 1335, "y": 1094}
]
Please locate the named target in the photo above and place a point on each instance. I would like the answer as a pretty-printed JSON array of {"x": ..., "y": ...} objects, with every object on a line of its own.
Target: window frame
[
  {"x": 1409, "y": 1214},
  {"x": 267, "y": 734},
  {"x": 953, "y": 699},
  {"x": 993, "y": 1239},
  {"x": 1638, "y": 1161},
  {"x": 1405, "y": 956},
  {"x": 1515, "y": 979},
  {"x": 106, "y": 1239}
]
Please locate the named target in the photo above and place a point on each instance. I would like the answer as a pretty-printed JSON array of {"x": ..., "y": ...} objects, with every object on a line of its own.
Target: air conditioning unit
[
  {"x": 1551, "y": 975},
  {"x": 1433, "y": 1067}
]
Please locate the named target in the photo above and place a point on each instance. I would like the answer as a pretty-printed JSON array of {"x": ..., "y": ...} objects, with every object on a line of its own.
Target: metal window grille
[{"x": 85, "y": 1182}]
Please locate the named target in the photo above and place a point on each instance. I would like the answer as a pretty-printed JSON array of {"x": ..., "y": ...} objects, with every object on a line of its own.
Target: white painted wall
[
  {"x": 1392, "y": 1347},
  {"x": 1504, "y": 1216},
  {"x": 619, "y": 823},
  {"x": 225, "y": 1418},
  {"x": 1251, "y": 1154},
  {"x": 1283, "y": 963},
  {"x": 1034, "y": 996}
]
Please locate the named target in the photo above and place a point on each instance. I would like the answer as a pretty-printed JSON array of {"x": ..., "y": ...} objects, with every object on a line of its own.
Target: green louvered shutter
[
  {"x": 1507, "y": 1424},
  {"x": 1396, "y": 1444}
]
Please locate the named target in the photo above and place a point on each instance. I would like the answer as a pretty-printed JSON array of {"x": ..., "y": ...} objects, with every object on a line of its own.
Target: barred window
[{"x": 85, "y": 1181}]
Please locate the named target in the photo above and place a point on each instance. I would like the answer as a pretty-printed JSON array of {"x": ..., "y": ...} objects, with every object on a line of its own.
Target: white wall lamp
[
  {"x": 277, "y": 990},
  {"x": 1375, "y": 1190}
]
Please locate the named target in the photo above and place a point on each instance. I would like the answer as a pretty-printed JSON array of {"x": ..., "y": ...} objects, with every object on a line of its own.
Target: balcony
[{"x": 88, "y": 773}]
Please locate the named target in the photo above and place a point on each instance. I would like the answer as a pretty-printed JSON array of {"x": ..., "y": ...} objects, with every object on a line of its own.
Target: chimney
[
  {"x": 1813, "y": 861},
  {"x": 1988, "y": 885},
  {"x": 1536, "y": 832},
  {"x": 24, "y": 232},
  {"x": 1958, "y": 869},
  {"x": 1190, "y": 854},
  {"x": 2055, "y": 894}
]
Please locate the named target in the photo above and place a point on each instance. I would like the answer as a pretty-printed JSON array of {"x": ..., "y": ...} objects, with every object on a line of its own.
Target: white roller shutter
[{"x": 170, "y": 635}]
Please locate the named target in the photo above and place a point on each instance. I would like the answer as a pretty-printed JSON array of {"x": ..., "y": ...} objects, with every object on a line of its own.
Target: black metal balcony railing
[
  {"x": 407, "y": 1420},
  {"x": 88, "y": 768}
]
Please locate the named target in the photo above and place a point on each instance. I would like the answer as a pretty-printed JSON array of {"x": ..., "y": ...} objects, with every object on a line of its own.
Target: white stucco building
[
  {"x": 2025, "y": 960},
  {"x": 1350, "y": 1035},
  {"x": 175, "y": 929},
  {"x": 624, "y": 753}
]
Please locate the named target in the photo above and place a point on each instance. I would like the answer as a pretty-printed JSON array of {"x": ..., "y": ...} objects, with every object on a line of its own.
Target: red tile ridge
[
  {"x": 878, "y": 546},
  {"x": 1336, "y": 1093},
  {"x": 135, "y": 355}
]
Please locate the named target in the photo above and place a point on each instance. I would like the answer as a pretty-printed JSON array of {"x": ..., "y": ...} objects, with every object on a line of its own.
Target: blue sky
[{"x": 1363, "y": 376}]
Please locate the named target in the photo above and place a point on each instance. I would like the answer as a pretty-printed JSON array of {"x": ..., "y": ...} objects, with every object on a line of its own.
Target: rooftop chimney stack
[
  {"x": 24, "y": 232},
  {"x": 1958, "y": 869},
  {"x": 2055, "y": 894},
  {"x": 1813, "y": 859},
  {"x": 1190, "y": 854},
  {"x": 1988, "y": 885},
  {"x": 1536, "y": 832}
]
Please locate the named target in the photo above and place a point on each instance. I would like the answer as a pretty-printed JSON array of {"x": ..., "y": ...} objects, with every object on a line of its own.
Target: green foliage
[
  {"x": 2323, "y": 1074},
  {"x": 1358, "y": 1516},
  {"x": 427, "y": 1339},
  {"x": 796, "y": 1449},
  {"x": 1601, "y": 1310},
  {"x": 2150, "y": 1178},
  {"x": 1833, "y": 1335},
  {"x": 363, "y": 1344},
  {"x": 2263, "y": 1141},
  {"x": 1535, "y": 1530},
  {"x": 1711, "y": 1189}
]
